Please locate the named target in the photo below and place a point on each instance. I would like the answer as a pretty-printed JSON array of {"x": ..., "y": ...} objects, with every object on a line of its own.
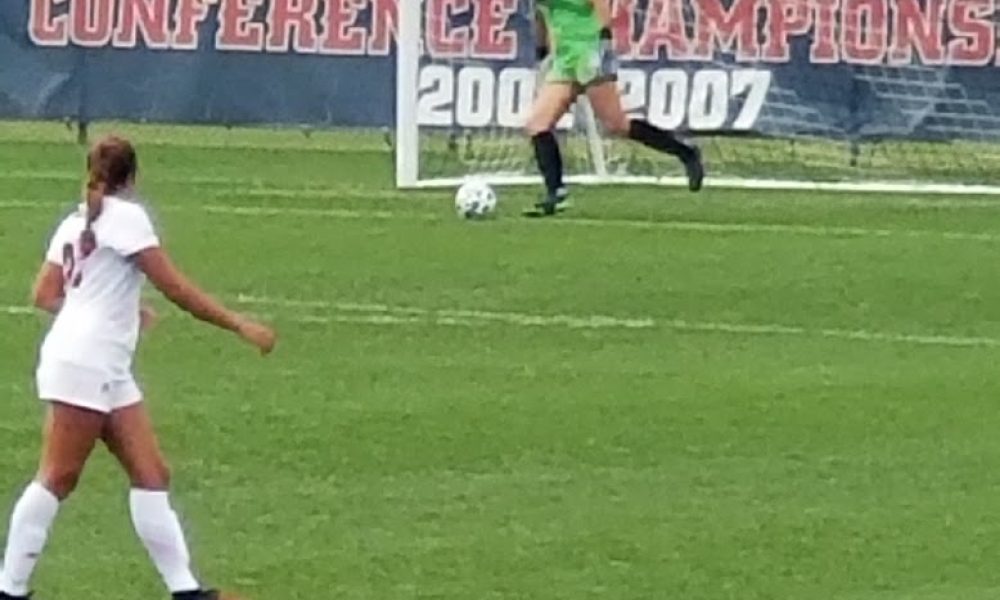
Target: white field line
[
  {"x": 76, "y": 176},
  {"x": 776, "y": 228},
  {"x": 41, "y": 175},
  {"x": 387, "y": 315},
  {"x": 335, "y": 192},
  {"x": 330, "y": 213},
  {"x": 917, "y": 202},
  {"x": 381, "y": 314},
  {"x": 859, "y": 187},
  {"x": 854, "y": 187},
  {"x": 682, "y": 226},
  {"x": 445, "y": 317},
  {"x": 331, "y": 193},
  {"x": 31, "y": 205},
  {"x": 236, "y": 187},
  {"x": 360, "y": 318}
]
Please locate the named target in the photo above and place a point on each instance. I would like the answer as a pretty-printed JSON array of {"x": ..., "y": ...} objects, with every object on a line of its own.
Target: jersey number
[{"x": 72, "y": 272}]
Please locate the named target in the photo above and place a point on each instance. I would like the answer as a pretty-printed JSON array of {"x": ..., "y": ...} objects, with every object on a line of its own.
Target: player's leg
[
  {"x": 130, "y": 436},
  {"x": 69, "y": 436},
  {"x": 606, "y": 100},
  {"x": 552, "y": 102}
]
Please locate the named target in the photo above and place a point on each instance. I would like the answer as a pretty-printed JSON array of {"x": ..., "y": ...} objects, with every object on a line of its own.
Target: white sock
[
  {"x": 29, "y": 529},
  {"x": 160, "y": 531}
]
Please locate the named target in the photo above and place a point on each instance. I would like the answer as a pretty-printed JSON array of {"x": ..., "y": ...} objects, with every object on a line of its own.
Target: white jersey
[{"x": 98, "y": 326}]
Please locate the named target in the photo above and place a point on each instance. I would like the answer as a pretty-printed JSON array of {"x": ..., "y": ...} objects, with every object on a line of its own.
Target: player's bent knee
[
  {"x": 617, "y": 127},
  {"x": 155, "y": 477},
  {"x": 60, "y": 481},
  {"x": 533, "y": 129},
  {"x": 165, "y": 476}
]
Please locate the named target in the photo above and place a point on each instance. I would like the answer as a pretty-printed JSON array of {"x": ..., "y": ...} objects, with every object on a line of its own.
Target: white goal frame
[
  {"x": 410, "y": 48},
  {"x": 408, "y": 126}
]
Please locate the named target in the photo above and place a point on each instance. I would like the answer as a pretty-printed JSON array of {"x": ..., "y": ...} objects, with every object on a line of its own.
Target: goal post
[
  {"x": 457, "y": 106},
  {"x": 408, "y": 52},
  {"x": 853, "y": 95}
]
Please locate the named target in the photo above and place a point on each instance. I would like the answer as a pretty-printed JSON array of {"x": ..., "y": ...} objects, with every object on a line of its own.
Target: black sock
[
  {"x": 549, "y": 161},
  {"x": 657, "y": 139}
]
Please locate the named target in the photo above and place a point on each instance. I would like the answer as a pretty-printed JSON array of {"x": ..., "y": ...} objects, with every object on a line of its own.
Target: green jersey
[
  {"x": 570, "y": 21},
  {"x": 579, "y": 56}
]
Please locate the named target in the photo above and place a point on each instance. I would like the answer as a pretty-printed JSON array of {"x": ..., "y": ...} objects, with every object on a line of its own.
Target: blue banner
[
  {"x": 840, "y": 69},
  {"x": 192, "y": 61}
]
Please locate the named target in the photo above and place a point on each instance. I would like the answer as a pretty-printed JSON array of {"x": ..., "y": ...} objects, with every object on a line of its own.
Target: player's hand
[
  {"x": 543, "y": 67},
  {"x": 609, "y": 60},
  {"x": 258, "y": 335},
  {"x": 147, "y": 318}
]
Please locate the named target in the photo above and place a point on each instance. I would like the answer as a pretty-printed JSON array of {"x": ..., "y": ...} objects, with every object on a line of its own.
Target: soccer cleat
[
  {"x": 695, "y": 169},
  {"x": 198, "y": 595},
  {"x": 562, "y": 199},
  {"x": 550, "y": 205},
  {"x": 545, "y": 208}
]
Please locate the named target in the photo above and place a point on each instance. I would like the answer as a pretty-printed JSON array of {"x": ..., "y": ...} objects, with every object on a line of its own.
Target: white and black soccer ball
[{"x": 475, "y": 200}]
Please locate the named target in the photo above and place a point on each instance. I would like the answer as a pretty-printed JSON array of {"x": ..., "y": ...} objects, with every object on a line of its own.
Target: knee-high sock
[
  {"x": 549, "y": 161},
  {"x": 29, "y": 529},
  {"x": 658, "y": 139},
  {"x": 158, "y": 527}
]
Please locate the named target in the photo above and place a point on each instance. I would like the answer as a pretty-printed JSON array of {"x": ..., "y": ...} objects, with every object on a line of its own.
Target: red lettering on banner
[
  {"x": 489, "y": 32},
  {"x": 92, "y": 22},
  {"x": 664, "y": 28},
  {"x": 737, "y": 26},
  {"x": 342, "y": 36},
  {"x": 785, "y": 18},
  {"x": 623, "y": 26},
  {"x": 385, "y": 25},
  {"x": 824, "y": 48},
  {"x": 973, "y": 38},
  {"x": 443, "y": 40},
  {"x": 864, "y": 31},
  {"x": 283, "y": 16},
  {"x": 237, "y": 31},
  {"x": 188, "y": 15},
  {"x": 46, "y": 28},
  {"x": 145, "y": 18},
  {"x": 926, "y": 32},
  {"x": 913, "y": 28}
]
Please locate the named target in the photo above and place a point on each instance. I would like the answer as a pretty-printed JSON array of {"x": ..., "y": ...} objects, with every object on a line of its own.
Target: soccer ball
[{"x": 475, "y": 200}]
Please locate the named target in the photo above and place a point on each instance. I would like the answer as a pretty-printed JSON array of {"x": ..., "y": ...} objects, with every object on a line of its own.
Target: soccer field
[{"x": 735, "y": 395}]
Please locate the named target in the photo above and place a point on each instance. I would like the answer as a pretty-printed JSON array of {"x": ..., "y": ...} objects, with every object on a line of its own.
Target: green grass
[{"x": 657, "y": 396}]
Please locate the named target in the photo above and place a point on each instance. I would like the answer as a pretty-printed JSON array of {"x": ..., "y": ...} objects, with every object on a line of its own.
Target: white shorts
[{"x": 85, "y": 387}]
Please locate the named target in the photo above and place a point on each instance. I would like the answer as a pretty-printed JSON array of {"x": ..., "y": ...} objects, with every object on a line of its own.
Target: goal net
[{"x": 892, "y": 95}]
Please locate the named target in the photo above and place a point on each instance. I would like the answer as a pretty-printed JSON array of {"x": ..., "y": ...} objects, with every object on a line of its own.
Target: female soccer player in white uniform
[{"x": 91, "y": 281}]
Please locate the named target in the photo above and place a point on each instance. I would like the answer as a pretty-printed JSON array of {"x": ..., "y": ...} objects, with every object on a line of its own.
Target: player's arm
[
  {"x": 180, "y": 290},
  {"x": 542, "y": 47},
  {"x": 603, "y": 10},
  {"x": 48, "y": 292}
]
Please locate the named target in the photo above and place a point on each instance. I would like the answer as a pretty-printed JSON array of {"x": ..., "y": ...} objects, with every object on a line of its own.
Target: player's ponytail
[
  {"x": 111, "y": 166},
  {"x": 96, "y": 189}
]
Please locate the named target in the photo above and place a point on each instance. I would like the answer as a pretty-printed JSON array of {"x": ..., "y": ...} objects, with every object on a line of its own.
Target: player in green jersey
[{"x": 575, "y": 43}]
